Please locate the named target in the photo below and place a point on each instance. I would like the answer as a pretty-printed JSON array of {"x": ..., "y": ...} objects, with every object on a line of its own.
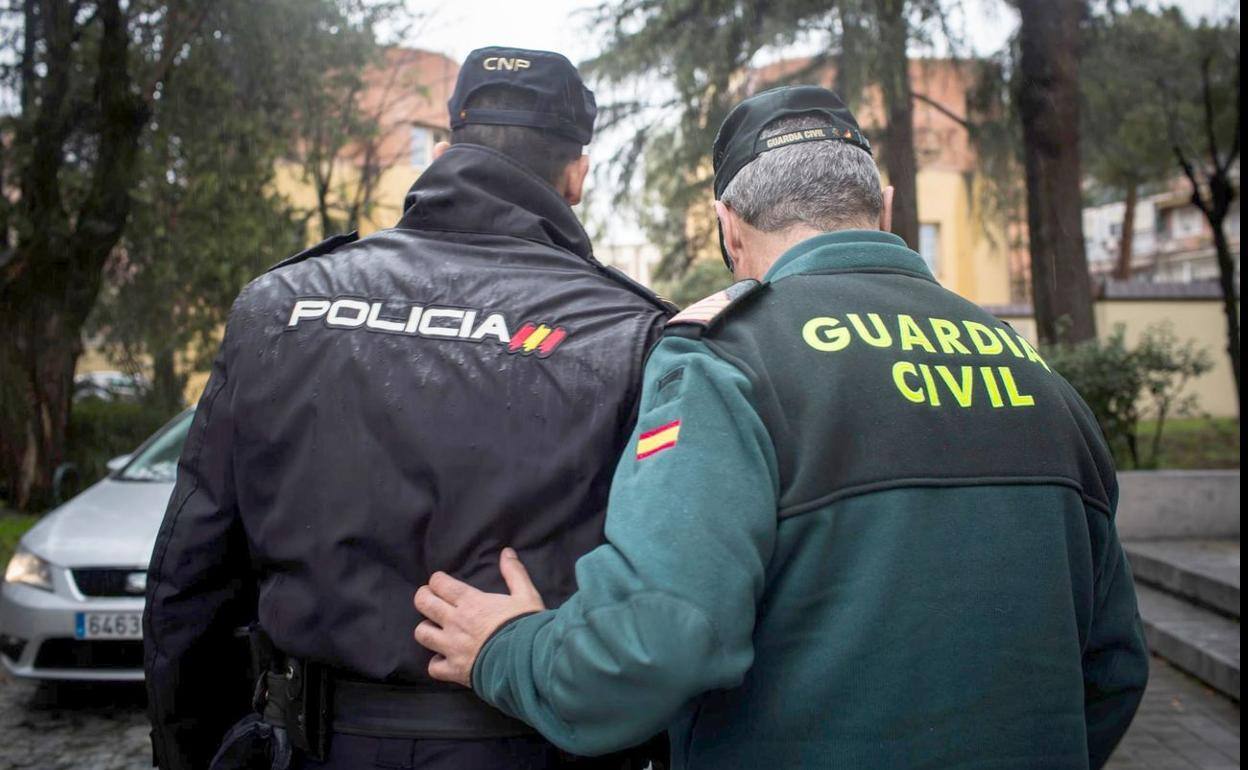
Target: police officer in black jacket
[{"x": 388, "y": 407}]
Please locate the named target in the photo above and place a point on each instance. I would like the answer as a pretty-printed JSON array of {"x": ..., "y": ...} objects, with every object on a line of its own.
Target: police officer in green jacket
[{"x": 861, "y": 522}]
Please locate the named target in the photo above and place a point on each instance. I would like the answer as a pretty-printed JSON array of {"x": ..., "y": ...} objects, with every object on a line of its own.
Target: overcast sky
[{"x": 459, "y": 26}]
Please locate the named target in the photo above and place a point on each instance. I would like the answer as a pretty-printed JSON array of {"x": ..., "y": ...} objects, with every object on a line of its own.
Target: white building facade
[{"x": 1173, "y": 242}]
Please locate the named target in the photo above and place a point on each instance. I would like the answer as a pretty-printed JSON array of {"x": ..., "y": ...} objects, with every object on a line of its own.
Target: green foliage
[
  {"x": 1195, "y": 80},
  {"x": 12, "y": 526},
  {"x": 101, "y": 430},
  {"x": 1198, "y": 443},
  {"x": 1134, "y": 391},
  {"x": 207, "y": 218},
  {"x": 98, "y": 432},
  {"x": 1123, "y": 139},
  {"x": 703, "y": 278},
  {"x": 1141, "y": 94},
  {"x": 693, "y": 50}
]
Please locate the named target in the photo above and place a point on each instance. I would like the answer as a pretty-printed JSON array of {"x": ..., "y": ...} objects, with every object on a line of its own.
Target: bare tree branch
[
  {"x": 1190, "y": 172},
  {"x": 1233, "y": 155},
  {"x": 943, "y": 110},
  {"x": 1207, "y": 95},
  {"x": 175, "y": 36}
]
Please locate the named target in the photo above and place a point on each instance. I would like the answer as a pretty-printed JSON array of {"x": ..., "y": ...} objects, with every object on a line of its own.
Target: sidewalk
[{"x": 1182, "y": 725}]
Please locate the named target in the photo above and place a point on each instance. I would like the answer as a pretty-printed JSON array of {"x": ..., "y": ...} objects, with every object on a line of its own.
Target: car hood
[{"x": 113, "y": 523}]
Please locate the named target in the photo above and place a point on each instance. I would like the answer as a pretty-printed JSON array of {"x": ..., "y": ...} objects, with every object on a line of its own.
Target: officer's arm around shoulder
[{"x": 665, "y": 609}]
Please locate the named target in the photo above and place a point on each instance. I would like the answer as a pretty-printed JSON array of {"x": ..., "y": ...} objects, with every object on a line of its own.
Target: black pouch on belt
[
  {"x": 253, "y": 745},
  {"x": 299, "y": 699}
]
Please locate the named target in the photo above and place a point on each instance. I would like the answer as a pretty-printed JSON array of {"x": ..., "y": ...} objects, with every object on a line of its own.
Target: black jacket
[{"x": 383, "y": 408}]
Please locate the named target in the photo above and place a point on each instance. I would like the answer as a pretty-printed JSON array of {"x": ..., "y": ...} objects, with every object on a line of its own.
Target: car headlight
[{"x": 29, "y": 569}]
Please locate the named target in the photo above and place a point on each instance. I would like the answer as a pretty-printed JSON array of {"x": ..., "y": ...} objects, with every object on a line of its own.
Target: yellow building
[
  {"x": 968, "y": 254},
  {"x": 406, "y": 96},
  {"x": 1192, "y": 310}
]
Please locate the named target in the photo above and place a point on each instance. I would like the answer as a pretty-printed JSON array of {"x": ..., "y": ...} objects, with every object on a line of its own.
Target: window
[
  {"x": 422, "y": 146},
  {"x": 1188, "y": 221},
  {"x": 929, "y": 245},
  {"x": 159, "y": 459}
]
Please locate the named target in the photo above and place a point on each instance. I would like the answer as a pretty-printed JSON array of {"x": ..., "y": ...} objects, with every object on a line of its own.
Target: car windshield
[{"x": 158, "y": 461}]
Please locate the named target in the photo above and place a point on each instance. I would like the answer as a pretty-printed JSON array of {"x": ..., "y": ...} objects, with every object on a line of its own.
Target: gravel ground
[
  {"x": 1182, "y": 725},
  {"x": 72, "y": 726}
]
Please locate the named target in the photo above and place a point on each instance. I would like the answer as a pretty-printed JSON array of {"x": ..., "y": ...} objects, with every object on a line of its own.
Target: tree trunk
[
  {"x": 37, "y": 358},
  {"x": 1126, "y": 240},
  {"x": 899, "y": 157},
  {"x": 1230, "y": 305},
  {"x": 168, "y": 386},
  {"x": 52, "y": 277},
  {"x": 328, "y": 225},
  {"x": 1049, "y": 107},
  {"x": 1216, "y": 207}
]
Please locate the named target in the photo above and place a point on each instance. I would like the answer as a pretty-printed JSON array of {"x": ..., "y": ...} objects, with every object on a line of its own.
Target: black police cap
[
  {"x": 740, "y": 139},
  {"x": 564, "y": 105}
]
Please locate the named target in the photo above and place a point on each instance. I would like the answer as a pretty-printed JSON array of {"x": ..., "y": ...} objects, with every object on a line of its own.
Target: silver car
[{"x": 71, "y": 605}]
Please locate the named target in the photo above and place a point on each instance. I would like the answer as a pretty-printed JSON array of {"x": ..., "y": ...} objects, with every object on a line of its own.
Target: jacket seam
[
  {"x": 636, "y": 388},
  {"x": 865, "y": 488},
  {"x": 158, "y": 561},
  {"x": 752, "y": 377},
  {"x": 874, "y": 270},
  {"x": 1101, "y": 587}
]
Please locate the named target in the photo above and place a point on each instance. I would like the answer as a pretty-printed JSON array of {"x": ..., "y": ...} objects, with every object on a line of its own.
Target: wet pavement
[
  {"x": 1182, "y": 725},
  {"x": 83, "y": 726}
]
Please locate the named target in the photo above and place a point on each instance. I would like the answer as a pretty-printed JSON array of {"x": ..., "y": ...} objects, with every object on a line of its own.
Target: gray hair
[{"x": 825, "y": 185}]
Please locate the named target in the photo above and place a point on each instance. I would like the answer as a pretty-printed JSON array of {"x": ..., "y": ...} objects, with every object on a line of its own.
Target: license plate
[{"x": 109, "y": 625}]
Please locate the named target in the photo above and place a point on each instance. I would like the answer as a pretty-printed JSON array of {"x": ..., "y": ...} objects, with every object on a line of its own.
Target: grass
[
  {"x": 1198, "y": 443},
  {"x": 12, "y": 527}
]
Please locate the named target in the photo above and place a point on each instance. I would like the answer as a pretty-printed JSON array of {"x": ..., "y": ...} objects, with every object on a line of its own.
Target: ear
[
  {"x": 886, "y": 210},
  {"x": 731, "y": 224},
  {"x": 440, "y": 148},
  {"x": 574, "y": 180}
]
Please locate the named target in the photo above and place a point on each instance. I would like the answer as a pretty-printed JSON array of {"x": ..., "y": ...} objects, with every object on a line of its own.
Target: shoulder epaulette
[
  {"x": 702, "y": 315},
  {"x": 324, "y": 247}
]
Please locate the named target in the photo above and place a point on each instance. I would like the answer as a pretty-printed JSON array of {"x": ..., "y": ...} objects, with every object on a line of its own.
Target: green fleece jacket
[{"x": 861, "y": 524}]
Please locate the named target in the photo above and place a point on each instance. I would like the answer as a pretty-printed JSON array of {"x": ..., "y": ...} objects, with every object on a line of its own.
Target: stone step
[
  {"x": 1195, "y": 639},
  {"x": 1205, "y": 572}
]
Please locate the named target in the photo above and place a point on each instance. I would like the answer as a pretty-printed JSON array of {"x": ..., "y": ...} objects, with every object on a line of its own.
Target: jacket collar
[
  {"x": 849, "y": 251},
  {"x": 474, "y": 189}
]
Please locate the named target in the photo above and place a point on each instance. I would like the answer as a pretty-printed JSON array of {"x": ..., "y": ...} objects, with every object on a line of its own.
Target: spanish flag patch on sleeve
[{"x": 654, "y": 441}]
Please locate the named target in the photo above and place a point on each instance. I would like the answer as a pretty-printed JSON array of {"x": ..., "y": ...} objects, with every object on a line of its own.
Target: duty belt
[{"x": 377, "y": 709}]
